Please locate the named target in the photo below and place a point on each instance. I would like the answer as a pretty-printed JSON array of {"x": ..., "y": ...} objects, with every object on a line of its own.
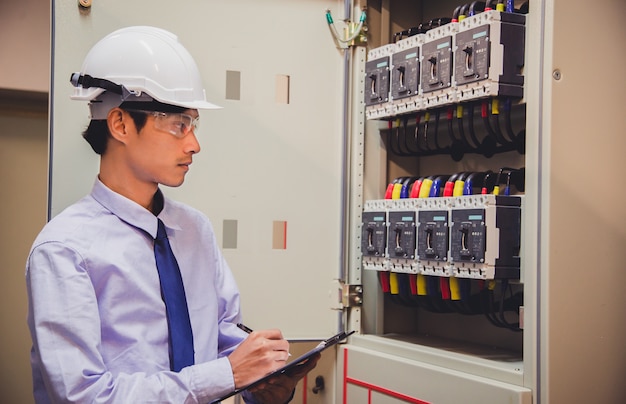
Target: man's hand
[
  {"x": 258, "y": 355},
  {"x": 279, "y": 389}
]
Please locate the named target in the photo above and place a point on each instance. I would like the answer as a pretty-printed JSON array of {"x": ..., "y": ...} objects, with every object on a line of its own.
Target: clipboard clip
[{"x": 335, "y": 339}]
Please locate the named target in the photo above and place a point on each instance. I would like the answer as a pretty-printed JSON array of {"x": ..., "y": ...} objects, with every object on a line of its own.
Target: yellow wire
[
  {"x": 421, "y": 285},
  {"x": 425, "y": 188},
  {"x": 393, "y": 283},
  {"x": 455, "y": 290}
]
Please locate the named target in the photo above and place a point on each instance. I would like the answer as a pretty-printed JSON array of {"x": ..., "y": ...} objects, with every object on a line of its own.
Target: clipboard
[{"x": 335, "y": 339}]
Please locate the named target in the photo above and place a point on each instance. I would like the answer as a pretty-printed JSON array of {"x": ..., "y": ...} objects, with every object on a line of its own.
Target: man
[{"x": 104, "y": 324}]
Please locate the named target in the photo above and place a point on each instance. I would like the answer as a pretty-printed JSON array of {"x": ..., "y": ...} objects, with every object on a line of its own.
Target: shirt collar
[{"x": 130, "y": 211}]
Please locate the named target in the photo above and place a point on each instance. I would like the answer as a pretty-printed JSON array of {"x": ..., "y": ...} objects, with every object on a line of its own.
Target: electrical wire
[
  {"x": 470, "y": 126},
  {"x": 485, "y": 115},
  {"x": 476, "y": 7},
  {"x": 426, "y": 128},
  {"x": 411, "y": 151},
  {"x": 416, "y": 137},
  {"x": 355, "y": 33},
  {"x": 437, "y": 145}
]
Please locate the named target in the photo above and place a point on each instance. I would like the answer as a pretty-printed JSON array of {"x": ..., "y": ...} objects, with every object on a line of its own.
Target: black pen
[
  {"x": 243, "y": 327},
  {"x": 249, "y": 330}
]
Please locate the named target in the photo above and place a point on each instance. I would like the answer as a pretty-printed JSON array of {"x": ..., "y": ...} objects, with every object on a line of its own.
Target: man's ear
[{"x": 119, "y": 125}]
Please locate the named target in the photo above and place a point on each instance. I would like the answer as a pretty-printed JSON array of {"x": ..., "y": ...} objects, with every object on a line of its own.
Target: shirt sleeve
[{"x": 64, "y": 322}]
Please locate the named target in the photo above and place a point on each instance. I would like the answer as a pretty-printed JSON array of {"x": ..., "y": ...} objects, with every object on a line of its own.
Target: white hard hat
[{"x": 139, "y": 64}]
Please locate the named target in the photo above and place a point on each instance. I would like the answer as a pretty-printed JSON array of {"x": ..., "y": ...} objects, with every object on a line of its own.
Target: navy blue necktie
[{"x": 173, "y": 292}]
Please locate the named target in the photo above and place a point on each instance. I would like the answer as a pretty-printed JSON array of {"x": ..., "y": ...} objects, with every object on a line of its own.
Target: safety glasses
[{"x": 175, "y": 123}]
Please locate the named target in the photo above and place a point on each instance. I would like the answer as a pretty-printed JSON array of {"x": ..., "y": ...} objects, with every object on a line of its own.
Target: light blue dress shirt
[{"x": 96, "y": 315}]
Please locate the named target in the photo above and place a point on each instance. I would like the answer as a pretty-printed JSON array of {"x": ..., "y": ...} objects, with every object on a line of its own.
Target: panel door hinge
[{"x": 344, "y": 295}]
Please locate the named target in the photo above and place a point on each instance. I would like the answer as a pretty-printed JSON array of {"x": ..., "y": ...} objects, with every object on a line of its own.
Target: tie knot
[{"x": 161, "y": 234}]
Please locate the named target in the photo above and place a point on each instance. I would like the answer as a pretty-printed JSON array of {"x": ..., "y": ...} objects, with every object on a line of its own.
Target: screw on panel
[{"x": 556, "y": 74}]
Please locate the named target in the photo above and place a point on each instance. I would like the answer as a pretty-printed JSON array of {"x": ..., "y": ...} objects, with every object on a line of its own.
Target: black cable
[
  {"x": 426, "y": 128},
  {"x": 489, "y": 4},
  {"x": 512, "y": 326},
  {"x": 390, "y": 143},
  {"x": 405, "y": 122},
  {"x": 476, "y": 7},
  {"x": 489, "y": 309},
  {"x": 486, "y": 114},
  {"x": 416, "y": 136},
  {"x": 455, "y": 14},
  {"x": 519, "y": 139},
  {"x": 437, "y": 145},
  {"x": 463, "y": 10},
  {"x": 470, "y": 126},
  {"x": 507, "y": 120},
  {"x": 462, "y": 134}
]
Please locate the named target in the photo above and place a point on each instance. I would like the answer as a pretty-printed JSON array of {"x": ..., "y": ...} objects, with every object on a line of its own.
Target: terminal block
[
  {"x": 433, "y": 237},
  {"x": 485, "y": 234},
  {"x": 377, "y": 82},
  {"x": 405, "y": 75},
  {"x": 374, "y": 239},
  {"x": 489, "y": 56},
  {"x": 436, "y": 66},
  {"x": 401, "y": 238}
]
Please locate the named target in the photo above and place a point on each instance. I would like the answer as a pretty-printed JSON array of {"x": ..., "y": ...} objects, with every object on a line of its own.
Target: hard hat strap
[{"x": 86, "y": 81}]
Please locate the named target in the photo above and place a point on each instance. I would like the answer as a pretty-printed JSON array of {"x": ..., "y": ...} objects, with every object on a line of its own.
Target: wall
[
  {"x": 24, "y": 77},
  {"x": 24, "y": 63}
]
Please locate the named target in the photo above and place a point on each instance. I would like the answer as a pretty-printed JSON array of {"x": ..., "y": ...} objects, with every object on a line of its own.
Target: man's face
[{"x": 162, "y": 151}]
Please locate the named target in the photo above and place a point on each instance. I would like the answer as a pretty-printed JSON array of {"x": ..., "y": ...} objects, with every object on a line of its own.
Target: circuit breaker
[
  {"x": 437, "y": 63},
  {"x": 377, "y": 81},
  {"x": 405, "y": 75},
  {"x": 374, "y": 239},
  {"x": 485, "y": 234},
  {"x": 401, "y": 239},
  {"x": 489, "y": 55},
  {"x": 433, "y": 237}
]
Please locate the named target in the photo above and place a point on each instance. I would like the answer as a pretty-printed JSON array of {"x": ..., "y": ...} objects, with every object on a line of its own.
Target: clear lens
[{"x": 177, "y": 124}]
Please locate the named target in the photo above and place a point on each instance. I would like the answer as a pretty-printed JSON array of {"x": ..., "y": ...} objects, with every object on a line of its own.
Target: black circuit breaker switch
[
  {"x": 437, "y": 66},
  {"x": 377, "y": 82},
  {"x": 432, "y": 242},
  {"x": 433, "y": 236},
  {"x": 485, "y": 237},
  {"x": 374, "y": 240},
  {"x": 489, "y": 56},
  {"x": 401, "y": 241},
  {"x": 405, "y": 75}
]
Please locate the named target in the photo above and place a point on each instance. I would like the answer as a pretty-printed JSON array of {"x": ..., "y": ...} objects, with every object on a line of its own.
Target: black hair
[{"x": 97, "y": 133}]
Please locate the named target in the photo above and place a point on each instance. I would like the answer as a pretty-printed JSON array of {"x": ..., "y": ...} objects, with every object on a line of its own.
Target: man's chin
[{"x": 173, "y": 183}]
